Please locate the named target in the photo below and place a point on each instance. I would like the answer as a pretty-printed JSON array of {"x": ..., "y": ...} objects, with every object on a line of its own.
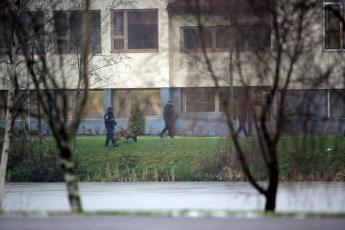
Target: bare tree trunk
[
  {"x": 272, "y": 192},
  {"x": 8, "y": 131},
  {"x": 67, "y": 166},
  {"x": 273, "y": 180}
]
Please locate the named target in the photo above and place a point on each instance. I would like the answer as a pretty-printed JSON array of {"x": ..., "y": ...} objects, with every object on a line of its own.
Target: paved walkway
[{"x": 166, "y": 223}]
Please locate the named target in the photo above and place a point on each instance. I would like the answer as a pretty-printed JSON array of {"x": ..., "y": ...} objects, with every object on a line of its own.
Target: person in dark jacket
[
  {"x": 109, "y": 122},
  {"x": 241, "y": 113},
  {"x": 169, "y": 118}
]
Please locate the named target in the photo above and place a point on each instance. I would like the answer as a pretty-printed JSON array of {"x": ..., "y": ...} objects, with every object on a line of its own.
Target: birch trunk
[
  {"x": 8, "y": 130},
  {"x": 68, "y": 170}
]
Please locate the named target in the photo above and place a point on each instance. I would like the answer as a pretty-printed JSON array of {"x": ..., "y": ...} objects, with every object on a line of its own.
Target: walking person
[
  {"x": 241, "y": 112},
  {"x": 169, "y": 118},
  {"x": 109, "y": 122}
]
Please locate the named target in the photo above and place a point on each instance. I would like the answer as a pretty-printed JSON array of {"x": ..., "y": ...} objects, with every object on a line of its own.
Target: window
[
  {"x": 33, "y": 25},
  {"x": 220, "y": 38},
  {"x": 193, "y": 38},
  {"x": 333, "y": 31},
  {"x": 134, "y": 30},
  {"x": 94, "y": 105},
  {"x": 241, "y": 98},
  {"x": 122, "y": 103},
  {"x": 248, "y": 101},
  {"x": 305, "y": 104},
  {"x": 149, "y": 102},
  {"x": 28, "y": 104},
  {"x": 33, "y": 31},
  {"x": 93, "y": 108},
  {"x": 25, "y": 104},
  {"x": 69, "y": 31},
  {"x": 337, "y": 104},
  {"x": 199, "y": 100},
  {"x": 4, "y": 31}
]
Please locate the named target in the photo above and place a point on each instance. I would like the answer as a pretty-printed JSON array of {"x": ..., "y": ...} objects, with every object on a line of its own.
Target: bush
[
  {"x": 136, "y": 119},
  {"x": 42, "y": 165}
]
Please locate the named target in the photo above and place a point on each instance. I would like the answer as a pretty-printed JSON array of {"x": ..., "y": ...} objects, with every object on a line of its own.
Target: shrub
[
  {"x": 137, "y": 118},
  {"x": 39, "y": 166}
]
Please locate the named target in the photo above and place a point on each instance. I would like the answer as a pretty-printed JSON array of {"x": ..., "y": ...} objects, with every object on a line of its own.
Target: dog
[{"x": 127, "y": 135}]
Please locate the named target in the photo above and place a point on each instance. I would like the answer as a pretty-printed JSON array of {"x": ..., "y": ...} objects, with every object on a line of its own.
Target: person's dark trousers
[
  {"x": 110, "y": 136},
  {"x": 167, "y": 128},
  {"x": 242, "y": 127}
]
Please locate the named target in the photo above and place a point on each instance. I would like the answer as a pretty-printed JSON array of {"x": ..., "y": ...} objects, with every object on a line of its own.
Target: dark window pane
[
  {"x": 95, "y": 37},
  {"x": 241, "y": 39},
  {"x": 332, "y": 29},
  {"x": 257, "y": 37},
  {"x": 305, "y": 104},
  {"x": 60, "y": 23},
  {"x": 118, "y": 23},
  {"x": 118, "y": 43},
  {"x": 225, "y": 37},
  {"x": 33, "y": 26},
  {"x": 76, "y": 36},
  {"x": 61, "y": 30},
  {"x": 142, "y": 30},
  {"x": 4, "y": 31},
  {"x": 200, "y": 100},
  {"x": 33, "y": 104},
  {"x": 337, "y": 104},
  {"x": 62, "y": 44},
  {"x": 121, "y": 105},
  {"x": 193, "y": 39}
]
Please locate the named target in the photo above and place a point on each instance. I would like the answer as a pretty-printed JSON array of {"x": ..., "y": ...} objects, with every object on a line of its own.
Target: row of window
[
  {"x": 149, "y": 101},
  {"x": 137, "y": 30},
  {"x": 131, "y": 30},
  {"x": 29, "y": 104},
  {"x": 220, "y": 38},
  {"x": 309, "y": 104},
  {"x": 315, "y": 104}
]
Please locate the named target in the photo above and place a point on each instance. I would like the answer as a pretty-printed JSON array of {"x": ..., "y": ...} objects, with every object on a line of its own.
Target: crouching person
[{"x": 109, "y": 122}]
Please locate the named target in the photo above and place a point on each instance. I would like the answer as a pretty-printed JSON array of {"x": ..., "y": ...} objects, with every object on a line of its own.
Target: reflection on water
[{"x": 314, "y": 196}]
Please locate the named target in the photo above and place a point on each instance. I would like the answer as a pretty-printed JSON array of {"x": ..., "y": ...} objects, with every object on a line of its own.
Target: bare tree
[
  {"x": 292, "y": 61},
  {"x": 12, "y": 61},
  {"x": 55, "y": 103}
]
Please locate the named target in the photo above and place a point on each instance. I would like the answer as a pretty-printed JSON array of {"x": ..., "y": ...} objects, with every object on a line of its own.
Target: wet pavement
[{"x": 156, "y": 196}]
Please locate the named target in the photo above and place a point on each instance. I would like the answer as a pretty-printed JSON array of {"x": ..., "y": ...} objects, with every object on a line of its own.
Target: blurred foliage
[{"x": 32, "y": 160}]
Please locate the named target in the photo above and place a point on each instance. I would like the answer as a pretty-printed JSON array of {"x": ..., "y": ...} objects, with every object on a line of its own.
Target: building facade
[{"x": 150, "y": 51}]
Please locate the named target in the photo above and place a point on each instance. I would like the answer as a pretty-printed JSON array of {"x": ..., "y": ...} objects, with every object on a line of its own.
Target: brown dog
[{"x": 126, "y": 135}]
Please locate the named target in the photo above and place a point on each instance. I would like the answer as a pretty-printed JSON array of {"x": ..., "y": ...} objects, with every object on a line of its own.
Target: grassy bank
[{"x": 180, "y": 159}]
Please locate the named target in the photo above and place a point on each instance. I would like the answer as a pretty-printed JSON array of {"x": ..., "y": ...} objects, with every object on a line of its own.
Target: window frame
[
  {"x": 329, "y": 105},
  {"x": 125, "y": 32},
  {"x": 215, "y": 101},
  {"x": 128, "y": 93},
  {"x": 31, "y": 13},
  {"x": 43, "y": 50},
  {"x": 83, "y": 116},
  {"x": 214, "y": 47},
  {"x": 68, "y": 38},
  {"x": 340, "y": 3}
]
